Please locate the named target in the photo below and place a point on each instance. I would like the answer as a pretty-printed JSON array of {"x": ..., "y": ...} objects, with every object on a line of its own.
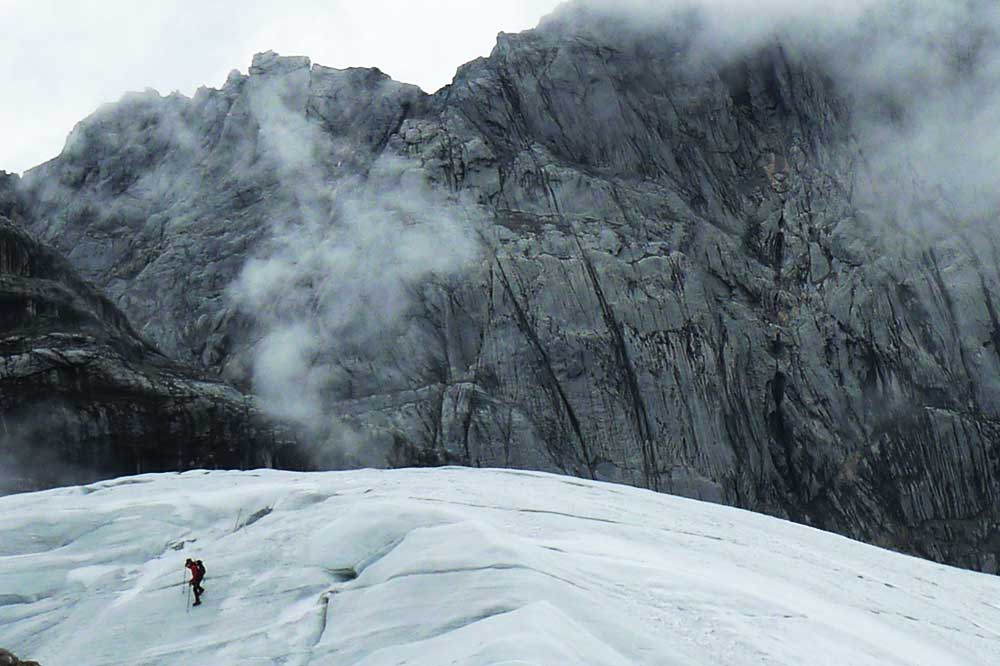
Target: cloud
[
  {"x": 922, "y": 78},
  {"x": 927, "y": 80},
  {"x": 723, "y": 26},
  {"x": 337, "y": 274}
]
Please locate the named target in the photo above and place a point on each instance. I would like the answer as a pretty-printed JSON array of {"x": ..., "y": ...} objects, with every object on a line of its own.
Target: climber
[{"x": 197, "y": 570}]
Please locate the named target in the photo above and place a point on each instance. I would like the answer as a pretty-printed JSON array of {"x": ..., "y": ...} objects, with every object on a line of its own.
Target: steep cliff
[
  {"x": 83, "y": 397},
  {"x": 680, "y": 286}
]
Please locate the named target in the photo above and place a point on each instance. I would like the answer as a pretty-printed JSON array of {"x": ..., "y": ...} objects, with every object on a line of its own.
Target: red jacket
[{"x": 195, "y": 573}]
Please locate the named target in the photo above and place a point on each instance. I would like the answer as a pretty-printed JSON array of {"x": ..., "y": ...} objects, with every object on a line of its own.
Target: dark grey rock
[
  {"x": 11, "y": 202},
  {"x": 82, "y": 396},
  {"x": 8, "y": 659},
  {"x": 681, "y": 287}
]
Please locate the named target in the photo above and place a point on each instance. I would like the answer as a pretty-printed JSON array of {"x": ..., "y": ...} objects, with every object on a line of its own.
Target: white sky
[{"x": 61, "y": 59}]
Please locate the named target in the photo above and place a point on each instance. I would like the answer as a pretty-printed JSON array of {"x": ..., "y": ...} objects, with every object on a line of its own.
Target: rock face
[
  {"x": 680, "y": 289},
  {"x": 82, "y": 396},
  {"x": 11, "y": 202},
  {"x": 8, "y": 659}
]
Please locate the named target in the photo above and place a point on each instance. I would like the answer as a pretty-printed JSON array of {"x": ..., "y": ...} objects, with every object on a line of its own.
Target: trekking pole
[{"x": 187, "y": 601}]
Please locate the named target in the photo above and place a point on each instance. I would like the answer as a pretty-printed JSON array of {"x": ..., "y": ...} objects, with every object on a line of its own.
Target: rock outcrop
[
  {"x": 680, "y": 289},
  {"x": 8, "y": 659},
  {"x": 82, "y": 396},
  {"x": 11, "y": 202}
]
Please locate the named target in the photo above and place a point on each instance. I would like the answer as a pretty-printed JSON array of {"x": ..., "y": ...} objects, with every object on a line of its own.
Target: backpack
[{"x": 201, "y": 568}]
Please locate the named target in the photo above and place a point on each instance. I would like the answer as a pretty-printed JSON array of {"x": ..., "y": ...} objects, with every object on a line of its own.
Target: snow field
[{"x": 459, "y": 566}]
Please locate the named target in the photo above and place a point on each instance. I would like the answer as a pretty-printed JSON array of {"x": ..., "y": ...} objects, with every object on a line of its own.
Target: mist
[
  {"x": 25, "y": 465},
  {"x": 339, "y": 272},
  {"x": 922, "y": 78}
]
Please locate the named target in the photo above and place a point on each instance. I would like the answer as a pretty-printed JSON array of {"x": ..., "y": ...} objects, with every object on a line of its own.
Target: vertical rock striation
[{"x": 680, "y": 290}]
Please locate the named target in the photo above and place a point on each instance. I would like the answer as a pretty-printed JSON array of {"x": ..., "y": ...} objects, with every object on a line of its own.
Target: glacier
[{"x": 459, "y": 566}]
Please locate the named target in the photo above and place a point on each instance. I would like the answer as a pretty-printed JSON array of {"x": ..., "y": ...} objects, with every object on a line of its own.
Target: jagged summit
[{"x": 270, "y": 62}]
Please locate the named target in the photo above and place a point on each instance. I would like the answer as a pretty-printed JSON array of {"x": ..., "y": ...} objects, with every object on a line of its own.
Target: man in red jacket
[{"x": 197, "y": 570}]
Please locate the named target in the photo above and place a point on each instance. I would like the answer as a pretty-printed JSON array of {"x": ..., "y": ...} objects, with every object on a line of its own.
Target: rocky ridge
[{"x": 680, "y": 289}]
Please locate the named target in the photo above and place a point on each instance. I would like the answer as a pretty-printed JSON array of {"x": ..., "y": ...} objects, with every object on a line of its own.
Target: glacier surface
[{"x": 459, "y": 566}]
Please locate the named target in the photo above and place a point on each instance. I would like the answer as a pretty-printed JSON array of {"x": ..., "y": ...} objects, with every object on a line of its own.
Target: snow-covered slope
[{"x": 459, "y": 566}]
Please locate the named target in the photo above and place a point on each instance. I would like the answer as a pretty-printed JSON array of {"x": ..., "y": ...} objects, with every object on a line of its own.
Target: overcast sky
[{"x": 61, "y": 59}]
